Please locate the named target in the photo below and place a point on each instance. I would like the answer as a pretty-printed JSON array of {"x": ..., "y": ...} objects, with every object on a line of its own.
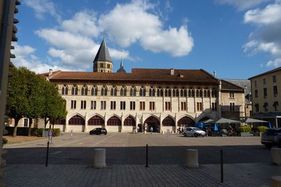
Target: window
[
  {"x": 167, "y": 92},
  {"x": 151, "y": 105},
  {"x": 167, "y": 105},
  {"x": 123, "y": 91},
  {"x": 93, "y": 105},
  {"x": 257, "y": 107},
  {"x": 113, "y": 91},
  {"x": 232, "y": 107},
  {"x": 183, "y": 106},
  {"x": 83, "y": 104},
  {"x": 142, "y": 91},
  {"x": 94, "y": 91},
  {"x": 183, "y": 93},
  {"x": 265, "y": 105},
  {"x": 108, "y": 65},
  {"x": 214, "y": 106},
  {"x": 74, "y": 90},
  {"x": 103, "y": 105},
  {"x": 197, "y": 93},
  {"x": 275, "y": 91},
  {"x": 142, "y": 105},
  {"x": 264, "y": 92},
  {"x": 275, "y": 105},
  {"x": 205, "y": 93},
  {"x": 132, "y": 105},
  {"x": 191, "y": 93},
  {"x": 104, "y": 91},
  {"x": 256, "y": 93},
  {"x": 159, "y": 92},
  {"x": 112, "y": 105},
  {"x": 231, "y": 94},
  {"x": 199, "y": 106},
  {"x": 274, "y": 78},
  {"x": 122, "y": 105},
  {"x": 264, "y": 81},
  {"x": 151, "y": 92},
  {"x": 73, "y": 104},
  {"x": 175, "y": 92},
  {"x": 84, "y": 90},
  {"x": 133, "y": 91},
  {"x": 64, "y": 90},
  {"x": 214, "y": 93}
]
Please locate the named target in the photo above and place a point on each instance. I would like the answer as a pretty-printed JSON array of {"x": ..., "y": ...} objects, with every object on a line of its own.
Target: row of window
[
  {"x": 265, "y": 106},
  {"x": 168, "y": 105},
  {"x": 142, "y": 92},
  {"x": 275, "y": 92},
  {"x": 274, "y": 80}
]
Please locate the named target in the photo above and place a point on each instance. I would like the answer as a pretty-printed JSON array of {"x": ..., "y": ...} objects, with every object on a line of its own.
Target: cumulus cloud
[
  {"x": 133, "y": 22},
  {"x": 242, "y": 4},
  {"x": 25, "y": 57},
  {"x": 42, "y": 8},
  {"x": 267, "y": 36}
]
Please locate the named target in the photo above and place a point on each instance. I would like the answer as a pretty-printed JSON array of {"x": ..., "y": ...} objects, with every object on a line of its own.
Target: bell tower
[{"x": 102, "y": 61}]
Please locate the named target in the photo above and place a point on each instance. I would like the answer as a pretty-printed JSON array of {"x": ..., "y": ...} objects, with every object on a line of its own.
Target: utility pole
[{"x": 7, "y": 35}]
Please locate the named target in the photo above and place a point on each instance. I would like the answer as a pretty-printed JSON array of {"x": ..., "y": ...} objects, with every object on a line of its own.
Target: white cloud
[
  {"x": 267, "y": 37},
  {"x": 43, "y": 7},
  {"x": 133, "y": 22},
  {"x": 242, "y": 4},
  {"x": 271, "y": 14},
  {"x": 25, "y": 57}
]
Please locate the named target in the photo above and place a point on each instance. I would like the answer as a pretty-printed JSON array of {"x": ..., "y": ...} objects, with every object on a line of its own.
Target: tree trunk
[
  {"x": 29, "y": 126},
  {"x": 16, "y": 126}
]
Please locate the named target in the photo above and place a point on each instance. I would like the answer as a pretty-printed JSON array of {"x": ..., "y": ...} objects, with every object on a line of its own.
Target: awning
[
  {"x": 252, "y": 120},
  {"x": 225, "y": 120}
]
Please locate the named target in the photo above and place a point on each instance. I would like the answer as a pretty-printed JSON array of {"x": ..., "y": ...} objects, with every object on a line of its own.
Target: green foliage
[
  {"x": 245, "y": 128},
  {"x": 262, "y": 128},
  {"x": 56, "y": 132},
  {"x": 38, "y": 132}
]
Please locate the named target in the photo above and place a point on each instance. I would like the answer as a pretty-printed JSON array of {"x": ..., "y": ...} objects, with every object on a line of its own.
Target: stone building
[{"x": 266, "y": 88}]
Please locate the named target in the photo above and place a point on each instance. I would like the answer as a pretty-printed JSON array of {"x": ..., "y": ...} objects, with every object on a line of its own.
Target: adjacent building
[{"x": 266, "y": 95}]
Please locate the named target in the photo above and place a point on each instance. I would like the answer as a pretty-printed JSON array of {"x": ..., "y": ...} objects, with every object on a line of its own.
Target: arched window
[
  {"x": 64, "y": 90},
  {"x": 123, "y": 91},
  {"x": 175, "y": 92},
  {"x": 84, "y": 90},
  {"x": 96, "y": 120},
  {"x": 129, "y": 121},
  {"x": 160, "y": 92},
  {"x": 214, "y": 92},
  {"x": 113, "y": 91},
  {"x": 76, "y": 120},
  {"x": 197, "y": 93},
  {"x": 133, "y": 91},
  {"x": 168, "y": 121},
  {"x": 74, "y": 90},
  {"x": 104, "y": 91},
  {"x": 94, "y": 91},
  {"x": 151, "y": 92},
  {"x": 168, "y": 92},
  {"x": 142, "y": 91},
  {"x": 114, "y": 121}
]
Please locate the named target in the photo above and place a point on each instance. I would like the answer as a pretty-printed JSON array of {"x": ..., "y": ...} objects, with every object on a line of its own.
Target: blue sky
[{"x": 235, "y": 38}]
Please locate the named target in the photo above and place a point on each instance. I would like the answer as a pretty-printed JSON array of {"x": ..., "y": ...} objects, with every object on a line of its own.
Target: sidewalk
[{"x": 254, "y": 174}]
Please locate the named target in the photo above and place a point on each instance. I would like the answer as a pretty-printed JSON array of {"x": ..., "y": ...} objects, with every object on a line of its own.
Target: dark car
[
  {"x": 271, "y": 137},
  {"x": 98, "y": 131}
]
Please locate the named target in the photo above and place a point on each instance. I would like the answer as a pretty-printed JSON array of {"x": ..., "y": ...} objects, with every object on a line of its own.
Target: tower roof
[
  {"x": 103, "y": 53},
  {"x": 121, "y": 69}
]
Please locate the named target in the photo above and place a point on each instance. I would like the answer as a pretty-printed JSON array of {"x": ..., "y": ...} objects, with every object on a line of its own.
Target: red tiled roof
[
  {"x": 228, "y": 86},
  {"x": 140, "y": 75}
]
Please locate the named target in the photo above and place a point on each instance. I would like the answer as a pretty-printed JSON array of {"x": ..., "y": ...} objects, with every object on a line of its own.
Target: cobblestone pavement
[{"x": 235, "y": 175}]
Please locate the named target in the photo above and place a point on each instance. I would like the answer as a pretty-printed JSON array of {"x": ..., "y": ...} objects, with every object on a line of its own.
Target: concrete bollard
[
  {"x": 99, "y": 158},
  {"x": 276, "y": 155},
  {"x": 191, "y": 158},
  {"x": 276, "y": 181}
]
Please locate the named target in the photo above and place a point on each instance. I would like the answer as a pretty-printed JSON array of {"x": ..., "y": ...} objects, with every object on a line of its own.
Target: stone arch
[
  {"x": 114, "y": 121},
  {"x": 76, "y": 120},
  {"x": 96, "y": 120},
  {"x": 152, "y": 124},
  {"x": 130, "y": 121},
  {"x": 185, "y": 121},
  {"x": 168, "y": 121}
]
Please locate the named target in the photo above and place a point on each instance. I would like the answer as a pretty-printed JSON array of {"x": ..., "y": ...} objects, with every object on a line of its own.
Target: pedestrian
[
  {"x": 151, "y": 129},
  {"x": 71, "y": 133},
  {"x": 50, "y": 135}
]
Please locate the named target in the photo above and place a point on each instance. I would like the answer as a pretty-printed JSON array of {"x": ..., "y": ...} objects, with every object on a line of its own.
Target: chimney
[{"x": 172, "y": 71}]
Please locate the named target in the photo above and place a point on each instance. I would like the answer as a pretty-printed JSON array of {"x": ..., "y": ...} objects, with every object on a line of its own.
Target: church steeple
[
  {"x": 121, "y": 69},
  {"x": 102, "y": 61}
]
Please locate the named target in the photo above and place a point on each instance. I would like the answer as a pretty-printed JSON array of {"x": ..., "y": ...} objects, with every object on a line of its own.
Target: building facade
[{"x": 266, "y": 96}]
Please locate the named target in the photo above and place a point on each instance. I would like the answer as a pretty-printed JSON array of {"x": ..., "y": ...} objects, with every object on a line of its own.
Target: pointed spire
[
  {"x": 121, "y": 69},
  {"x": 103, "y": 53}
]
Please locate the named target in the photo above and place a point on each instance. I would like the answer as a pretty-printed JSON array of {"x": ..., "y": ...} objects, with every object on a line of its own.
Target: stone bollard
[
  {"x": 99, "y": 158},
  {"x": 276, "y": 181},
  {"x": 191, "y": 158},
  {"x": 276, "y": 155}
]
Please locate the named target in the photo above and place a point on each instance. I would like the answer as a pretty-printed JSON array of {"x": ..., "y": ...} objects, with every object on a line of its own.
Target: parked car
[
  {"x": 98, "y": 131},
  {"x": 193, "y": 131},
  {"x": 271, "y": 137}
]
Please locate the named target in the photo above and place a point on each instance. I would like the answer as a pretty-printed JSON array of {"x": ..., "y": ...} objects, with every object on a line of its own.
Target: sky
[{"x": 236, "y": 39}]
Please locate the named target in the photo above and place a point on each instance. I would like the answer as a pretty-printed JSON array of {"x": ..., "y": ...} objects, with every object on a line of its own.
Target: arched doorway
[
  {"x": 152, "y": 124},
  {"x": 186, "y": 122},
  {"x": 130, "y": 121},
  {"x": 168, "y": 121},
  {"x": 96, "y": 120},
  {"x": 76, "y": 120}
]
